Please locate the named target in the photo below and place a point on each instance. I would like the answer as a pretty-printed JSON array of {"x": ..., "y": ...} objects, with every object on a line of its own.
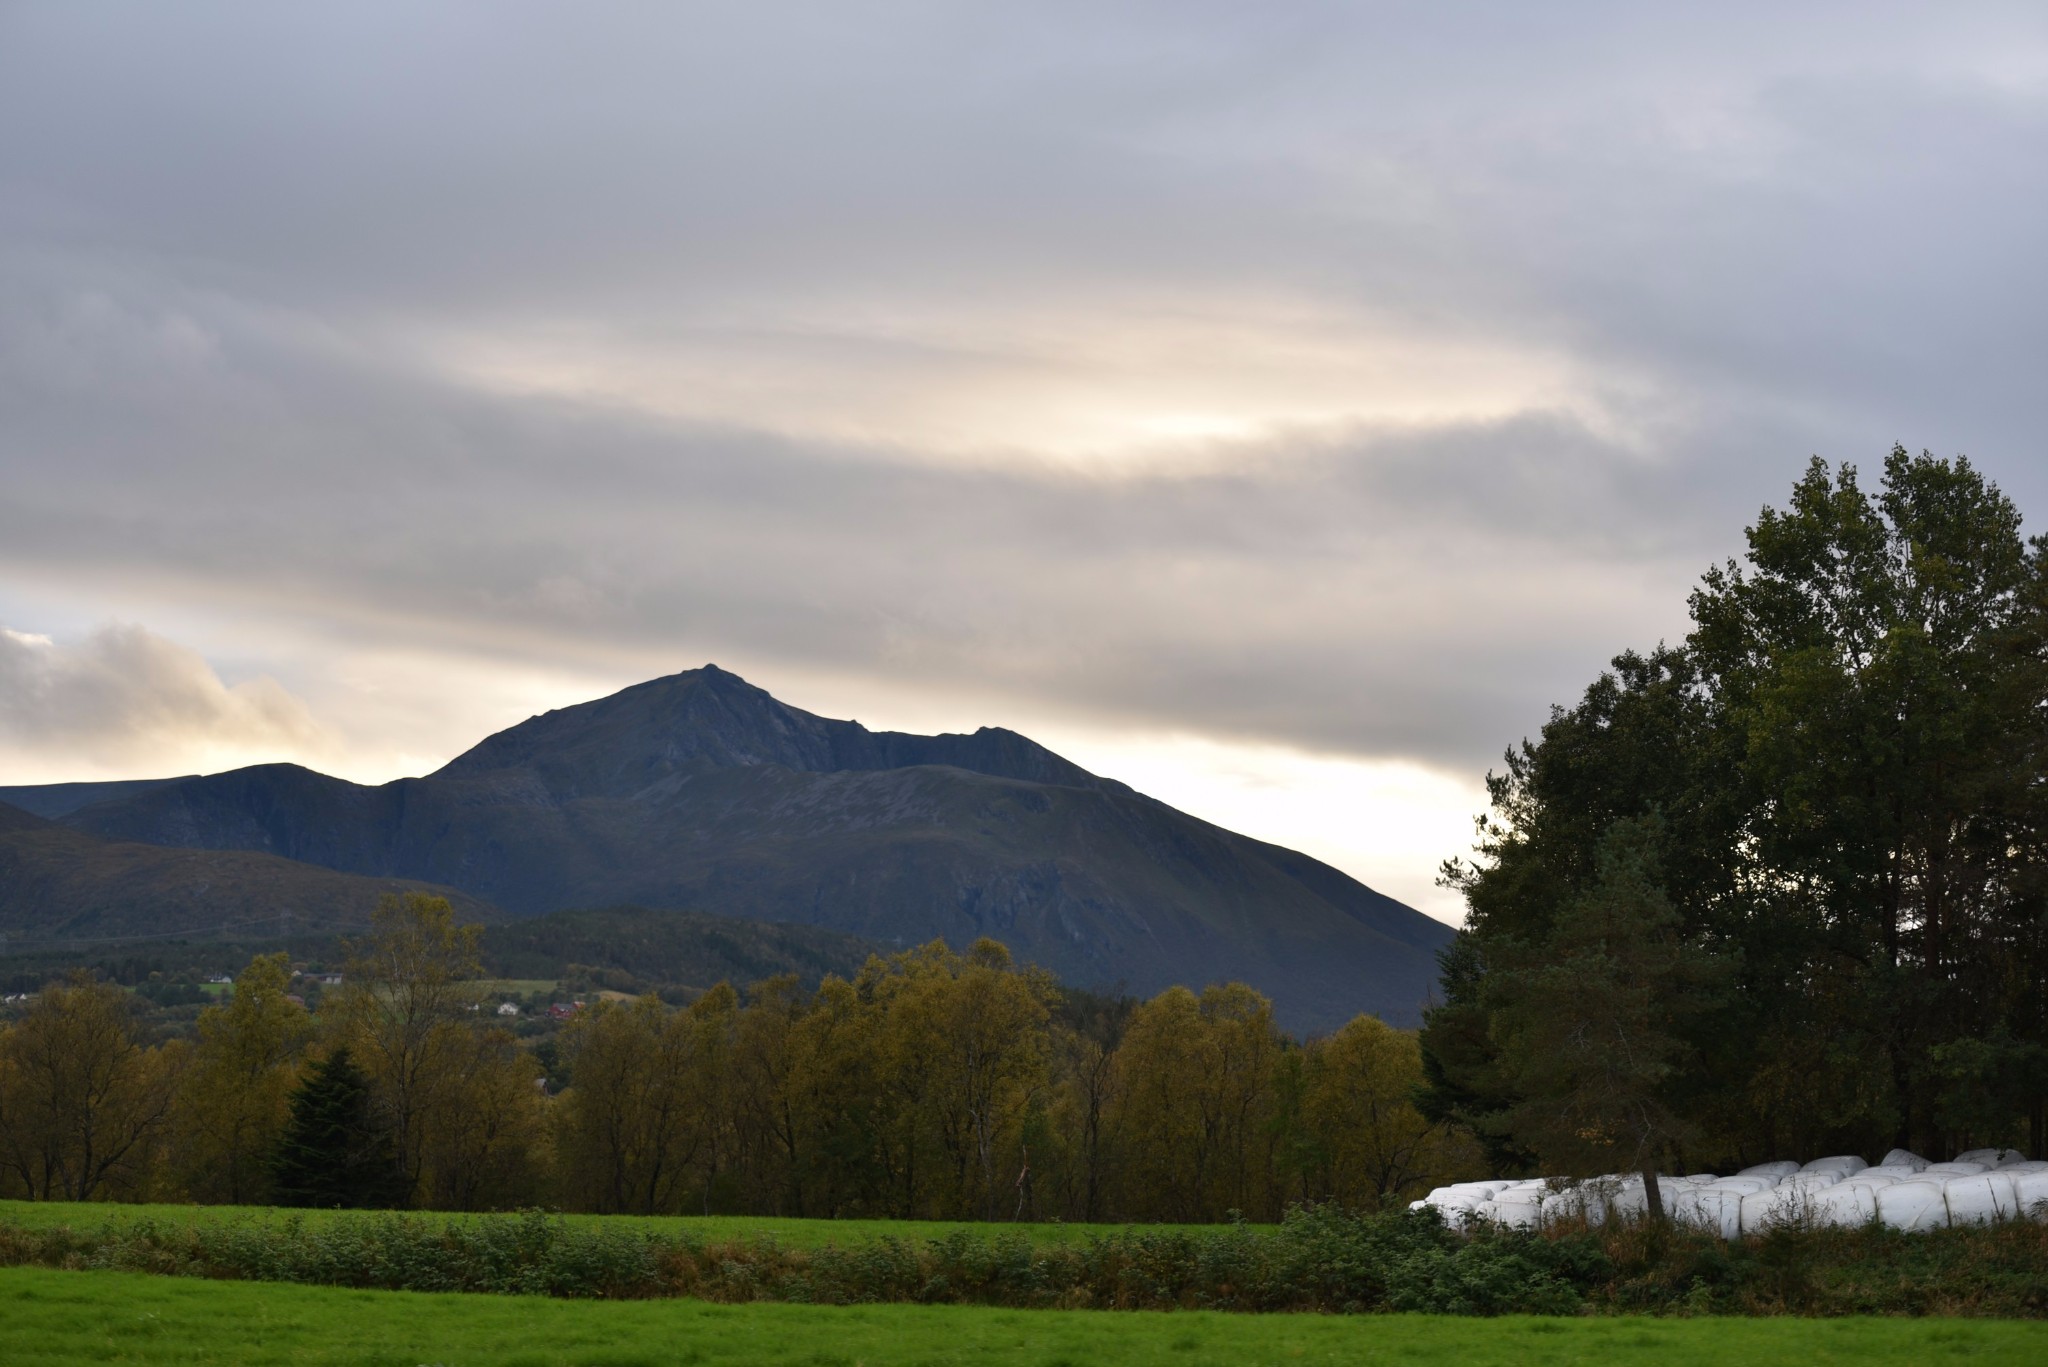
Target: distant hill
[
  {"x": 53, "y": 800},
  {"x": 59, "y": 885},
  {"x": 702, "y": 792}
]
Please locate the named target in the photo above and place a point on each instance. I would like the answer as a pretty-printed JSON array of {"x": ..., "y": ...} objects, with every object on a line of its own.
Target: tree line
[
  {"x": 1781, "y": 888},
  {"x": 931, "y": 1084}
]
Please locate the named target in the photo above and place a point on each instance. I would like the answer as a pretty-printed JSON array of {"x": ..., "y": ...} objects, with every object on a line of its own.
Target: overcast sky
[{"x": 1276, "y": 406}]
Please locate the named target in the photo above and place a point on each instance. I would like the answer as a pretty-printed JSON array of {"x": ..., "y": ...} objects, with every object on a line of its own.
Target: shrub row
[{"x": 1318, "y": 1259}]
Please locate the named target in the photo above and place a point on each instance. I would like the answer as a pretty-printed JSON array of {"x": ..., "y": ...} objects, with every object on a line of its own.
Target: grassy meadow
[
  {"x": 788, "y": 1232},
  {"x": 60, "y": 1319}
]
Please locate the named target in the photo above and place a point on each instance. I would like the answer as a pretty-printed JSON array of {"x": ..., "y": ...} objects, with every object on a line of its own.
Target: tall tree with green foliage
[
  {"x": 1880, "y": 658},
  {"x": 334, "y": 1151},
  {"x": 1845, "y": 758}
]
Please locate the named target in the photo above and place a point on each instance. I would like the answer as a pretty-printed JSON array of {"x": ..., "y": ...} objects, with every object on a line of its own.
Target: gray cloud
[
  {"x": 248, "y": 254},
  {"x": 124, "y": 695},
  {"x": 1366, "y": 591}
]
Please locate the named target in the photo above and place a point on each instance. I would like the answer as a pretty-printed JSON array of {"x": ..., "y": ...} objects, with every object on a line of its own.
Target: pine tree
[{"x": 333, "y": 1151}]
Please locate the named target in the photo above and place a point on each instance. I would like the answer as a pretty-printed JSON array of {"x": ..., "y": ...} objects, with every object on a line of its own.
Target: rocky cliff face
[{"x": 700, "y": 791}]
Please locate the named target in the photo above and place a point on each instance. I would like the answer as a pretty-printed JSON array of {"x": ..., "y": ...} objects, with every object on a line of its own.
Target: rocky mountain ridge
[{"x": 702, "y": 792}]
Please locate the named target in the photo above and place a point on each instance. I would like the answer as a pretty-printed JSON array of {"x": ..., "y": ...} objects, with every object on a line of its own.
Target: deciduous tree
[
  {"x": 82, "y": 1097},
  {"x": 408, "y": 1001},
  {"x": 234, "y": 1098}
]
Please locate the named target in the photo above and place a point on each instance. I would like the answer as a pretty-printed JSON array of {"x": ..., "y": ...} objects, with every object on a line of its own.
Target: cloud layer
[{"x": 1346, "y": 379}]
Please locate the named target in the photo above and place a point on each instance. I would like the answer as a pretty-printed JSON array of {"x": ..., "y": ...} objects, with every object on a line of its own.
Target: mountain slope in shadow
[
  {"x": 701, "y": 791},
  {"x": 60, "y": 886}
]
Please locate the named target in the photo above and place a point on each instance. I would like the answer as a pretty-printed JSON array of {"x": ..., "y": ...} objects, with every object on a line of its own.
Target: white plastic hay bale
[
  {"x": 1514, "y": 1203},
  {"x": 1458, "y": 1202},
  {"x": 1979, "y": 1200},
  {"x": 1569, "y": 1202},
  {"x": 1593, "y": 1198},
  {"x": 1913, "y": 1205},
  {"x": 1719, "y": 1209},
  {"x": 1625, "y": 1199},
  {"x": 1466, "y": 1193},
  {"x": 1844, "y": 1163},
  {"x": 1847, "y": 1204},
  {"x": 1904, "y": 1191},
  {"x": 1516, "y": 1214},
  {"x": 1525, "y": 1208},
  {"x": 2030, "y": 1194},
  {"x": 1458, "y": 1199},
  {"x": 1683, "y": 1206},
  {"x": 1786, "y": 1203},
  {"x": 1793, "y": 1200},
  {"x": 1708, "y": 1205}
]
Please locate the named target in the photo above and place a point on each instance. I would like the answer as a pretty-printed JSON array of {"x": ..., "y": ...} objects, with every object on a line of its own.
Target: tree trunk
[{"x": 1653, "y": 1195}]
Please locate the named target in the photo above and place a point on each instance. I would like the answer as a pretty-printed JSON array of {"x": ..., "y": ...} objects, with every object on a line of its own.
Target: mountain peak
[
  {"x": 701, "y": 791},
  {"x": 711, "y": 718}
]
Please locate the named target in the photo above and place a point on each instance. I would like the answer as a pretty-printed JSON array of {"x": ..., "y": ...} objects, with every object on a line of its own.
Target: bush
[{"x": 1317, "y": 1259}]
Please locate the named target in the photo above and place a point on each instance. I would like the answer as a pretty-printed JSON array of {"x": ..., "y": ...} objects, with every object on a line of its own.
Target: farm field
[
  {"x": 515, "y": 987},
  {"x": 786, "y": 1231},
  {"x": 58, "y": 1319}
]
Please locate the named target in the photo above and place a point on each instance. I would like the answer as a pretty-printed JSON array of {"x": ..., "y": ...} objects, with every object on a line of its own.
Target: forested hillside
[
  {"x": 928, "y": 1084},
  {"x": 62, "y": 888}
]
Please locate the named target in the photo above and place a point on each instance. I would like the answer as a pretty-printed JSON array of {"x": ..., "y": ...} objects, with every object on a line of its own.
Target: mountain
[
  {"x": 53, "y": 800},
  {"x": 702, "y": 792},
  {"x": 59, "y": 886}
]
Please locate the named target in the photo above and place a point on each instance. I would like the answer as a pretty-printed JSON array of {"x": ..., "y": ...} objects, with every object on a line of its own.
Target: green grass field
[
  {"x": 49, "y": 1318},
  {"x": 790, "y": 1233},
  {"x": 516, "y": 987}
]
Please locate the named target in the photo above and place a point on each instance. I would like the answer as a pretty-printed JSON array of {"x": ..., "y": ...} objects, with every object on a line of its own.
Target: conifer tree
[
  {"x": 1590, "y": 1022},
  {"x": 333, "y": 1152}
]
